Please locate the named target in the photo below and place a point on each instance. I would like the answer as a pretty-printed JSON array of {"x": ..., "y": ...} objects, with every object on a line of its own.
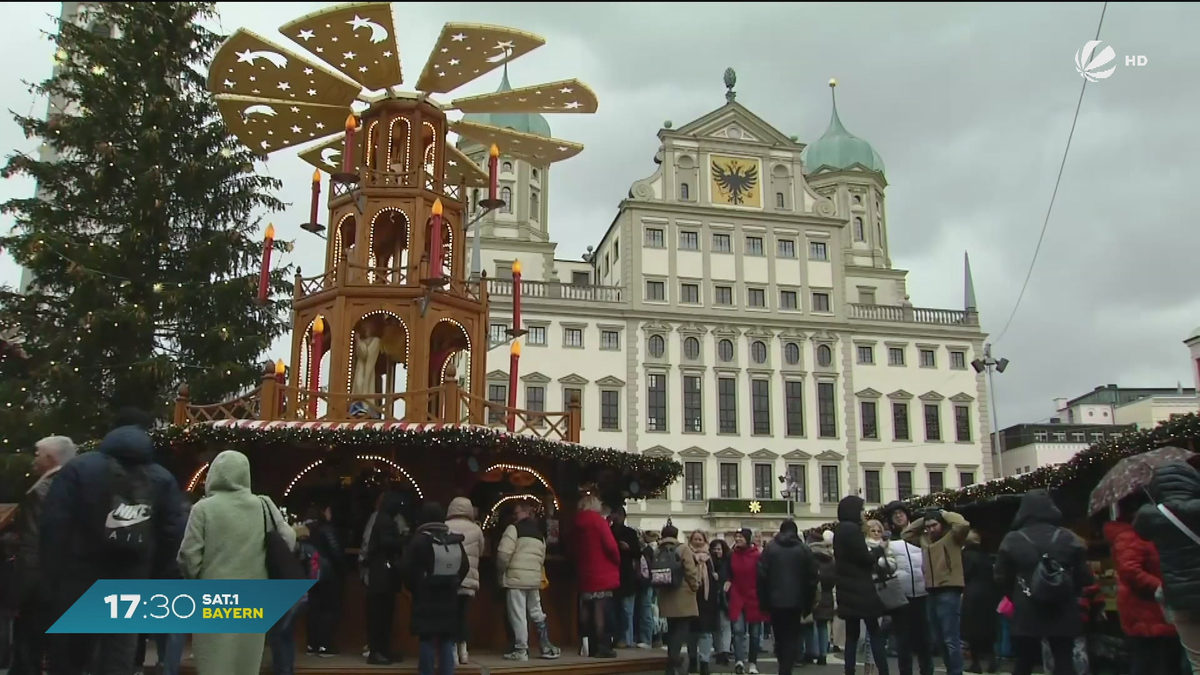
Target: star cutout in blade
[
  {"x": 458, "y": 38},
  {"x": 305, "y": 35}
]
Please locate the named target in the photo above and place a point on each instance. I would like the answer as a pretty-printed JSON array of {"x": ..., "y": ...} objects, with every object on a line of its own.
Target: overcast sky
[{"x": 969, "y": 106}]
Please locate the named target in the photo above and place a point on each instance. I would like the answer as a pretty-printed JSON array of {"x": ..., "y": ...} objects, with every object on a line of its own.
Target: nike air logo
[{"x": 127, "y": 515}]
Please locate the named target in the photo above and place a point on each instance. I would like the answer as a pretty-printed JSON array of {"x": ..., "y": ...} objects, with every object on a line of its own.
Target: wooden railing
[
  {"x": 909, "y": 314},
  {"x": 556, "y": 290},
  {"x": 364, "y": 276},
  {"x": 443, "y": 404}
]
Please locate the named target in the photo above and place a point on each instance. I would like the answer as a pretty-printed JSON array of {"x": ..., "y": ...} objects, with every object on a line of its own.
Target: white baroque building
[{"x": 741, "y": 315}]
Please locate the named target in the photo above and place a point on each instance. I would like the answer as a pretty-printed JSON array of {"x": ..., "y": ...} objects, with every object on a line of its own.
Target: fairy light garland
[
  {"x": 368, "y": 458},
  {"x": 533, "y": 472},
  {"x": 297, "y": 477},
  {"x": 196, "y": 477},
  {"x": 492, "y": 515},
  {"x": 392, "y": 137}
]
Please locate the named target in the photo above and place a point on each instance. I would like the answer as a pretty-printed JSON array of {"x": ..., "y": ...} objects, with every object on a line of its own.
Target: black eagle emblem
[{"x": 735, "y": 180}]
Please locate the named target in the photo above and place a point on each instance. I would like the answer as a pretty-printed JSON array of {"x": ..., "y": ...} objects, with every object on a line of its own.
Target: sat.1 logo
[{"x": 1091, "y": 65}]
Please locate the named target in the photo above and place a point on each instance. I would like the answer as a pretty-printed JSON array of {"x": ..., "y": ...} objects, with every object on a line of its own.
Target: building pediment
[
  {"x": 764, "y": 454},
  {"x": 655, "y": 327},
  {"x": 824, "y": 336},
  {"x": 691, "y": 329},
  {"x": 497, "y": 375},
  {"x": 657, "y": 451},
  {"x": 932, "y": 396},
  {"x": 535, "y": 378},
  {"x": 831, "y": 456},
  {"x": 716, "y": 124},
  {"x": 573, "y": 380},
  {"x": 694, "y": 452},
  {"x": 868, "y": 393},
  {"x": 792, "y": 334},
  {"x": 797, "y": 456},
  {"x": 730, "y": 453},
  {"x": 962, "y": 397},
  {"x": 610, "y": 381},
  {"x": 760, "y": 333},
  {"x": 900, "y": 395},
  {"x": 726, "y": 331}
]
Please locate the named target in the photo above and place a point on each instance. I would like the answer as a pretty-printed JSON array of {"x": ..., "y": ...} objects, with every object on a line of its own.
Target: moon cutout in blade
[
  {"x": 328, "y": 154},
  {"x": 378, "y": 32},
  {"x": 259, "y": 109},
  {"x": 278, "y": 60}
]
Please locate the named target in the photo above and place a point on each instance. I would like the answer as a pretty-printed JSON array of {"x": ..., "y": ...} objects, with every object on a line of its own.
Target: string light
[
  {"x": 196, "y": 477},
  {"x": 300, "y": 475},
  {"x": 541, "y": 479},
  {"x": 492, "y": 515},
  {"x": 406, "y": 138},
  {"x": 368, "y": 458}
]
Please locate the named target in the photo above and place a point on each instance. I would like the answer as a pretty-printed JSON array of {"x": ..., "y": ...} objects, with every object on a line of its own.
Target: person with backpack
[
  {"x": 980, "y": 599},
  {"x": 521, "y": 564},
  {"x": 676, "y": 578},
  {"x": 787, "y": 590},
  {"x": 941, "y": 535},
  {"x": 433, "y": 567},
  {"x": 1042, "y": 568},
  {"x": 598, "y": 563},
  {"x": 745, "y": 616},
  {"x": 383, "y": 579},
  {"x": 460, "y": 518},
  {"x": 226, "y": 539},
  {"x": 325, "y": 561},
  {"x": 110, "y": 514},
  {"x": 719, "y": 552},
  {"x": 824, "y": 611}
]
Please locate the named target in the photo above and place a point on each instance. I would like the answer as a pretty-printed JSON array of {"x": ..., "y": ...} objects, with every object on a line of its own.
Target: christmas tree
[{"x": 144, "y": 238}]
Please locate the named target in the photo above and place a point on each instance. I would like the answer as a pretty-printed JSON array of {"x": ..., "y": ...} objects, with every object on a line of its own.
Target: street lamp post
[{"x": 989, "y": 363}]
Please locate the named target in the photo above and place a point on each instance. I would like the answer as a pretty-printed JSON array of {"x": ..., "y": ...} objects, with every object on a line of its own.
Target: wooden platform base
[{"x": 628, "y": 661}]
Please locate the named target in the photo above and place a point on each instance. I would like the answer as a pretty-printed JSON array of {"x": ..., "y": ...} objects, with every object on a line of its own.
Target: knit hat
[{"x": 746, "y": 534}]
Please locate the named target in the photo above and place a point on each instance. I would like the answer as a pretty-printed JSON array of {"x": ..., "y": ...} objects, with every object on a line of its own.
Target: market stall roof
[{"x": 643, "y": 475}]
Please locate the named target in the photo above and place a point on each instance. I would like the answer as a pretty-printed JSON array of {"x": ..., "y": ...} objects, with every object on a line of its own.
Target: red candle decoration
[
  {"x": 513, "y": 366},
  {"x": 348, "y": 150},
  {"x": 280, "y": 370},
  {"x": 314, "y": 369},
  {"x": 435, "y": 241},
  {"x": 316, "y": 196},
  {"x": 516, "y": 277},
  {"x": 264, "y": 275},
  {"x": 493, "y": 172}
]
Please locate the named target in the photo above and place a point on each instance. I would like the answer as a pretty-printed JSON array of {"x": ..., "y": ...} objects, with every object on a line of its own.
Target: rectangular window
[
  {"x": 724, "y": 295},
  {"x": 535, "y": 402},
  {"x": 817, "y": 250},
  {"x": 689, "y": 241},
  {"x": 793, "y": 401},
  {"x": 498, "y": 333},
  {"x": 904, "y": 484},
  {"x": 866, "y": 354},
  {"x": 610, "y": 409},
  {"x": 872, "y": 487},
  {"x": 798, "y": 474},
  {"x": 962, "y": 423},
  {"x": 1097, "y": 436},
  {"x": 763, "y": 480},
  {"x": 966, "y": 478},
  {"x": 573, "y": 337},
  {"x": 760, "y": 406},
  {"x": 504, "y": 270},
  {"x": 721, "y": 243},
  {"x": 757, "y": 297},
  {"x": 581, "y": 278},
  {"x": 788, "y": 300},
  {"x": 656, "y": 402},
  {"x": 933, "y": 422},
  {"x": 1041, "y": 436},
  {"x": 610, "y": 340},
  {"x": 693, "y": 403},
  {"x": 870, "y": 421},
  {"x": 937, "y": 482},
  {"x": 826, "y": 410},
  {"x": 1077, "y": 436},
  {"x": 831, "y": 487},
  {"x": 1060, "y": 437},
  {"x": 928, "y": 358},
  {"x": 536, "y": 336},
  {"x": 729, "y": 481},
  {"x": 785, "y": 248},
  {"x": 656, "y": 291},
  {"x": 654, "y": 237},
  {"x": 754, "y": 246},
  {"x": 958, "y": 360},
  {"x": 497, "y": 401},
  {"x": 895, "y": 356},
  {"x": 866, "y": 297},
  {"x": 900, "y": 422},
  {"x": 727, "y": 405},
  {"x": 693, "y": 481},
  {"x": 820, "y": 302},
  {"x": 689, "y": 293}
]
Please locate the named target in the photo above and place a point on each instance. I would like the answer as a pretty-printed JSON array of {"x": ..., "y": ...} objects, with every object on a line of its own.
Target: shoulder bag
[{"x": 281, "y": 563}]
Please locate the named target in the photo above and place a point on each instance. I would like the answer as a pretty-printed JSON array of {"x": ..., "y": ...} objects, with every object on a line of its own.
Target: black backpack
[
  {"x": 667, "y": 570},
  {"x": 448, "y": 560},
  {"x": 1050, "y": 583},
  {"x": 129, "y": 526}
]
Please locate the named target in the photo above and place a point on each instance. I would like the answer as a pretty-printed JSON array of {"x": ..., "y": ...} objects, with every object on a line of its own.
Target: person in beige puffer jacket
[
  {"x": 460, "y": 518},
  {"x": 520, "y": 561}
]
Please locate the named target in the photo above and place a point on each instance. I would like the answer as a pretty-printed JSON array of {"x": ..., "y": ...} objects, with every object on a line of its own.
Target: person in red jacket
[
  {"x": 1153, "y": 643},
  {"x": 745, "y": 614},
  {"x": 598, "y": 564}
]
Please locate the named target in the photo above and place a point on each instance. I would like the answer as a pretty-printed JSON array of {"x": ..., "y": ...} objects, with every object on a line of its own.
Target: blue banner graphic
[{"x": 181, "y": 606}]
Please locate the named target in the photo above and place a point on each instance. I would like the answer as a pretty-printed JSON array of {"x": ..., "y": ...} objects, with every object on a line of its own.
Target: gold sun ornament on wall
[
  {"x": 735, "y": 181},
  {"x": 755, "y": 507},
  {"x": 272, "y": 97}
]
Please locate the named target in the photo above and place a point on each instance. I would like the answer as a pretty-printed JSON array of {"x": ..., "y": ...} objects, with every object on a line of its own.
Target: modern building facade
[
  {"x": 1029, "y": 446},
  {"x": 741, "y": 314},
  {"x": 1140, "y": 406}
]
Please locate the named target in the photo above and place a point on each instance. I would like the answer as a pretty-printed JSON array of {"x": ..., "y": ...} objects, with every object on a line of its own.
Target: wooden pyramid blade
[
  {"x": 357, "y": 40},
  {"x": 249, "y": 65},
  {"x": 465, "y": 51},
  {"x": 536, "y": 149},
  {"x": 267, "y": 126},
  {"x": 565, "y": 96},
  {"x": 327, "y": 156},
  {"x": 460, "y": 168}
]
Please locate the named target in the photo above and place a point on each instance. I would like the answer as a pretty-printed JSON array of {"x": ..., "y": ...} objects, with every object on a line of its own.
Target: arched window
[
  {"x": 475, "y": 199},
  {"x": 657, "y": 346},
  {"x": 691, "y": 348},
  {"x": 683, "y": 192},
  {"x": 506, "y": 167},
  {"x": 758, "y": 351},
  {"x": 791, "y": 353},
  {"x": 859, "y": 233},
  {"x": 535, "y": 205},
  {"x": 535, "y": 174},
  {"x": 506, "y": 197},
  {"x": 824, "y": 356},
  {"x": 725, "y": 350},
  {"x": 779, "y": 200}
]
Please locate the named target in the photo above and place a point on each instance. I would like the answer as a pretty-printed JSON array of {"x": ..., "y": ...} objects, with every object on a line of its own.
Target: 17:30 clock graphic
[{"x": 159, "y": 602}]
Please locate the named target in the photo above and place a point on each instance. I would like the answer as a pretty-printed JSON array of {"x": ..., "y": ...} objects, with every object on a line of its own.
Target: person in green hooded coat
[{"x": 224, "y": 539}]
